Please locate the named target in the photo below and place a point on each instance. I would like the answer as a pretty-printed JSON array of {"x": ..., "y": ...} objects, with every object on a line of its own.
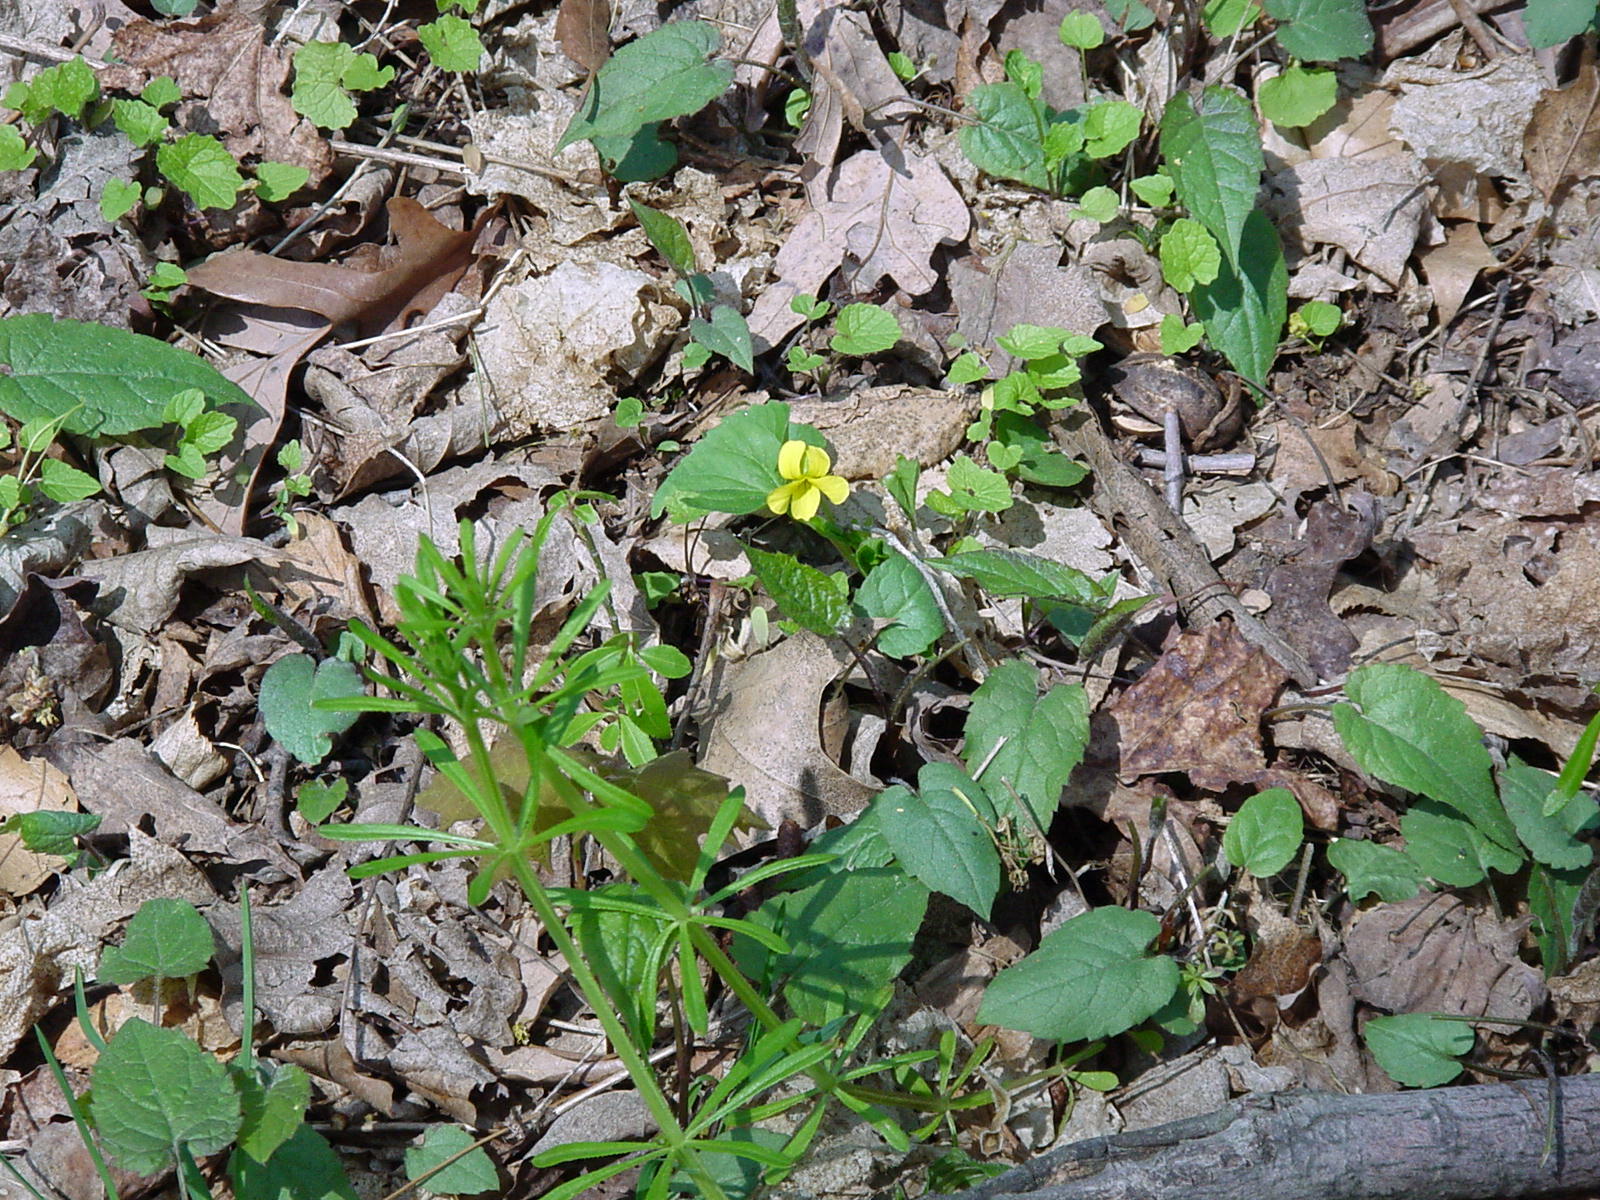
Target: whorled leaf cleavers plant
[{"x": 463, "y": 652}]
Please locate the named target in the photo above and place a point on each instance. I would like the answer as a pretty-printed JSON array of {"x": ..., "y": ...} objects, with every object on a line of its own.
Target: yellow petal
[
  {"x": 791, "y": 459},
  {"x": 833, "y": 487},
  {"x": 805, "y": 505},
  {"x": 815, "y": 462},
  {"x": 779, "y": 498}
]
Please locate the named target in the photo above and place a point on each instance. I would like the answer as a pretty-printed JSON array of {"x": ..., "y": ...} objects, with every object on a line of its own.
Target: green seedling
[
  {"x": 36, "y": 476},
  {"x": 1315, "y": 321},
  {"x": 722, "y": 330},
  {"x": 201, "y": 432},
  {"x": 295, "y": 484}
]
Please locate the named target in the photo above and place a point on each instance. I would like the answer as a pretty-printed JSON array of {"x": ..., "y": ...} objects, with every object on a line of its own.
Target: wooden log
[{"x": 1460, "y": 1143}]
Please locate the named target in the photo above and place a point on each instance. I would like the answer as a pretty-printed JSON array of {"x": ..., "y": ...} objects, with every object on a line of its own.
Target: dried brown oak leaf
[
  {"x": 1198, "y": 711},
  {"x": 222, "y": 63},
  {"x": 426, "y": 260}
]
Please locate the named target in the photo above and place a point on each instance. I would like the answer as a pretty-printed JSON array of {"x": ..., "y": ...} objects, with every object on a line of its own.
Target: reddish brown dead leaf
[
  {"x": 1198, "y": 710},
  {"x": 1280, "y": 966},
  {"x": 425, "y": 261},
  {"x": 583, "y": 27},
  {"x": 222, "y": 63}
]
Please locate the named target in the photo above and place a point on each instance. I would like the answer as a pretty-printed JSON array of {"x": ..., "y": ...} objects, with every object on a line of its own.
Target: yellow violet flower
[{"x": 806, "y": 468}]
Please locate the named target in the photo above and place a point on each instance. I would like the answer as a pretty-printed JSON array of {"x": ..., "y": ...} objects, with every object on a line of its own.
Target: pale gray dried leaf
[
  {"x": 1370, "y": 207},
  {"x": 123, "y": 783},
  {"x": 139, "y": 591},
  {"x": 293, "y": 941},
  {"x": 1436, "y": 953},
  {"x": 760, "y": 727},
  {"x": 1478, "y": 118},
  {"x": 552, "y": 347},
  {"x": 888, "y": 217}
]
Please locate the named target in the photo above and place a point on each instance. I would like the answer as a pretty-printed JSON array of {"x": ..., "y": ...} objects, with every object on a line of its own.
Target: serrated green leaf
[
  {"x": 1040, "y": 462},
  {"x": 1131, "y": 15},
  {"x": 661, "y": 76},
  {"x": 942, "y": 836},
  {"x": 1244, "y": 313},
  {"x": 316, "y": 801},
  {"x": 303, "y": 1168},
  {"x": 201, "y": 167},
  {"x": 895, "y": 591},
  {"x": 852, "y": 932},
  {"x": 47, "y": 831},
  {"x": 272, "y": 1104},
  {"x": 66, "y": 88},
  {"x": 288, "y": 691},
  {"x": 1213, "y": 153},
  {"x": 667, "y": 235},
  {"x": 1322, "y": 30},
  {"x": 452, "y": 43},
  {"x": 1014, "y": 574},
  {"x": 102, "y": 381},
  {"x": 166, "y": 939},
  {"x": 1555, "y": 22},
  {"x": 727, "y": 333},
  {"x": 1265, "y": 833},
  {"x": 901, "y": 483},
  {"x": 1552, "y": 840},
  {"x": 117, "y": 198},
  {"x": 1032, "y": 342},
  {"x": 185, "y": 461},
  {"x": 1419, "y": 1049},
  {"x": 624, "y": 949},
  {"x": 968, "y": 367},
  {"x": 1316, "y": 318},
  {"x": 804, "y": 594},
  {"x": 277, "y": 181},
  {"x": 155, "y": 1090},
  {"x": 161, "y": 91},
  {"x": 1189, "y": 255},
  {"x": 1110, "y": 127},
  {"x": 472, "y": 1173},
  {"x": 1297, "y": 96},
  {"x": 1449, "y": 848},
  {"x": 65, "y": 484},
  {"x": 210, "y": 431},
  {"x": 1229, "y": 18},
  {"x": 1405, "y": 729},
  {"x": 1028, "y": 745},
  {"x": 1371, "y": 869},
  {"x": 1091, "y": 978},
  {"x": 1005, "y": 140},
  {"x": 1154, "y": 190},
  {"x": 143, "y": 123},
  {"x": 864, "y": 329},
  {"x": 976, "y": 489},
  {"x": 325, "y": 73},
  {"x": 1552, "y": 898},
  {"x": 16, "y": 154}
]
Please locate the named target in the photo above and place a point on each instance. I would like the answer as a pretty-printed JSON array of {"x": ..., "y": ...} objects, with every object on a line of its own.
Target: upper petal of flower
[
  {"x": 792, "y": 458},
  {"x": 815, "y": 462}
]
